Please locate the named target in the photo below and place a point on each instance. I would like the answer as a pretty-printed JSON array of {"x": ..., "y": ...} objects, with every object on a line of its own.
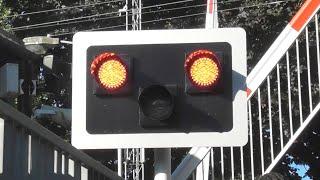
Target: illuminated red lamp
[
  {"x": 203, "y": 69},
  {"x": 109, "y": 71}
]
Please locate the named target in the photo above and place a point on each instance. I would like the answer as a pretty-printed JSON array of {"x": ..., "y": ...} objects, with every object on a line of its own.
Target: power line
[
  {"x": 123, "y": 25},
  {"x": 91, "y": 16},
  {"x": 257, "y": 5},
  {"x": 64, "y": 22},
  {"x": 165, "y": 4},
  {"x": 64, "y": 8},
  {"x": 67, "y": 33},
  {"x": 171, "y": 3},
  {"x": 32, "y": 26},
  {"x": 169, "y": 9},
  {"x": 98, "y": 19},
  {"x": 178, "y": 17},
  {"x": 94, "y": 4}
]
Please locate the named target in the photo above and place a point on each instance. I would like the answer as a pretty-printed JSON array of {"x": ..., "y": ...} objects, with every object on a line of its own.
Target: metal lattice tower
[
  {"x": 136, "y": 15},
  {"x": 132, "y": 160},
  {"x": 134, "y": 163}
]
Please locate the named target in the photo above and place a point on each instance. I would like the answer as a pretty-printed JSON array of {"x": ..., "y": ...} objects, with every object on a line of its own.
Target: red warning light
[
  {"x": 203, "y": 69},
  {"x": 109, "y": 71}
]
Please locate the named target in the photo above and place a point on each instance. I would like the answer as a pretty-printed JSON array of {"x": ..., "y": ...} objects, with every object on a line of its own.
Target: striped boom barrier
[
  {"x": 281, "y": 45},
  {"x": 212, "y": 14}
]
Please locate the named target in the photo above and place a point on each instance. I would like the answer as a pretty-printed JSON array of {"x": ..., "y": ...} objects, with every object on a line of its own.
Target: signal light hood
[
  {"x": 203, "y": 69},
  {"x": 109, "y": 71}
]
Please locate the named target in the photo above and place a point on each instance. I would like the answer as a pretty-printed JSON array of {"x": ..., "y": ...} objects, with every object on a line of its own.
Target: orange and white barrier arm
[{"x": 281, "y": 45}]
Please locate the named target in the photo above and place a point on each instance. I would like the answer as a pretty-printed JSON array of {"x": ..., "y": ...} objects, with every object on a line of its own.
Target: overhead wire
[
  {"x": 103, "y": 14},
  {"x": 63, "y": 8},
  {"x": 66, "y": 23},
  {"x": 109, "y": 17},
  {"x": 177, "y": 2},
  {"x": 166, "y": 4},
  {"x": 123, "y": 25},
  {"x": 93, "y": 4},
  {"x": 171, "y": 9},
  {"x": 178, "y": 17},
  {"x": 258, "y": 5},
  {"x": 64, "y": 20},
  {"x": 91, "y": 16}
]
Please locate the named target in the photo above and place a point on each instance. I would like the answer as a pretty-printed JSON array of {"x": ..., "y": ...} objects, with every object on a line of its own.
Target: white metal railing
[
  {"x": 30, "y": 151},
  {"x": 283, "y": 97}
]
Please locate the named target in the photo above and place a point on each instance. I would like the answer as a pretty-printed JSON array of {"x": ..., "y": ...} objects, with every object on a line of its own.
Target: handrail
[
  {"x": 277, "y": 50},
  {"x": 10, "y": 43},
  {"x": 293, "y": 139},
  {"x": 14, "y": 115}
]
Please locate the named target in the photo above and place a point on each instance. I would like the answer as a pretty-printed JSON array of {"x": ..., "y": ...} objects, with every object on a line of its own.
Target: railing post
[
  {"x": 1, "y": 144},
  {"x": 162, "y": 164}
]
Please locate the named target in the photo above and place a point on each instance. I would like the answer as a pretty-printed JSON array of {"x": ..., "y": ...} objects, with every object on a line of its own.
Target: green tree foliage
[{"x": 4, "y": 13}]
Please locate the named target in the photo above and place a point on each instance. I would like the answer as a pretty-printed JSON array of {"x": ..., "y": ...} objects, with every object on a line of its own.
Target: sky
[{"x": 301, "y": 170}]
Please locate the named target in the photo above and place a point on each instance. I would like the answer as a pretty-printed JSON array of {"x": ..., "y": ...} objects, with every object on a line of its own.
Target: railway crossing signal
[{"x": 159, "y": 88}]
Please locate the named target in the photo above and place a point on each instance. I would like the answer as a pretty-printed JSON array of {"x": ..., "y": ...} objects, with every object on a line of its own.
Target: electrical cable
[
  {"x": 103, "y": 14},
  {"x": 98, "y": 19},
  {"x": 177, "y": 17},
  {"x": 95, "y": 15},
  {"x": 171, "y": 9},
  {"x": 65, "y": 20},
  {"x": 64, "y": 8},
  {"x": 66, "y": 23},
  {"x": 42, "y": 25},
  {"x": 94, "y": 4},
  {"x": 95, "y": 29}
]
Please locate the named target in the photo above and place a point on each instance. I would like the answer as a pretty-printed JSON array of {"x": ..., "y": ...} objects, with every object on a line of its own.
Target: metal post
[
  {"x": 162, "y": 164},
  {"x": 24, "y": 100},
  {"x": 190, "y": 162},
  {"x": 125, "y": 164},
  {"x": 127, "y": 16},
  {"x": 202, "y": 171},
  {"x": 120, "y": 162},
  {"x": 142, "y": 161},
  {"x": 119, "y": 151}
]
